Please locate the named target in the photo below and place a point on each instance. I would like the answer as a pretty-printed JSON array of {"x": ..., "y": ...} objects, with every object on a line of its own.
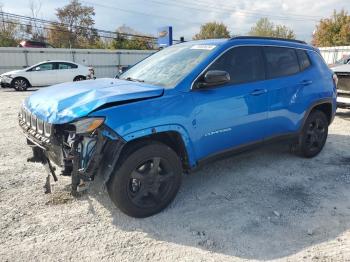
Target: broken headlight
[{"x": 88, "y": 125}]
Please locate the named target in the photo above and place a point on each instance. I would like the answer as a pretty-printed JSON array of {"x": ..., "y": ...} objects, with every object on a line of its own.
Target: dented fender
[{"x": 166, "y": 128}]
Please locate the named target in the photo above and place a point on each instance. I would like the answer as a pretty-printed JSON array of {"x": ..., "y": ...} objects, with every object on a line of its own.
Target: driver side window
[
  {"x": 244, "y": 64},
  {"x": 44, "y": 67}
]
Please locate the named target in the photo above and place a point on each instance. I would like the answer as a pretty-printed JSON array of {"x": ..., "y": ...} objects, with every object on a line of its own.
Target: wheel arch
[
  {"x": 175, "y": 137},
  {"x": 326, "y": 106},
  {"x": 77, "y": 76},
  {"x": 21, "y": 77}
]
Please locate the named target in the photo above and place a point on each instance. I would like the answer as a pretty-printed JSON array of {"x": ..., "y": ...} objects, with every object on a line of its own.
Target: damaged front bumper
[
  {"x": 5, "y": 81},
  {"x": 81, "y": 156}
]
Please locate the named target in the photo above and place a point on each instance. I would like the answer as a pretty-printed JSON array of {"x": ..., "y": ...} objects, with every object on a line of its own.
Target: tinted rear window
[
  {"x": 304, "y": 60},
  {"x": 66, "y": 66},
  {"x": 281, "y": 61}
]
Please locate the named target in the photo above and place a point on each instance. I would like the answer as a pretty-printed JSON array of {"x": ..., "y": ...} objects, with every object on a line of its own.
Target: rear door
[
  {"x": 66, "y": 72},
  {"x": 233, "y": 114},
  {"x": 288, "y": 78}
]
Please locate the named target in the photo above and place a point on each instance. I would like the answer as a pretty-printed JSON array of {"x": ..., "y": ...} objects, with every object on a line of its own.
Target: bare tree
[{"x": 38, "y": 33}]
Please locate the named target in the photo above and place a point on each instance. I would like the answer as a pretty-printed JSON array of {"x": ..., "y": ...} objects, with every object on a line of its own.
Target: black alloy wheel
[
  {"x": 150, "y": 183},
  {"x": 79, "y": 78},
  {"x": 146, "y": 179},
  {"x": 314, "y": 134}
]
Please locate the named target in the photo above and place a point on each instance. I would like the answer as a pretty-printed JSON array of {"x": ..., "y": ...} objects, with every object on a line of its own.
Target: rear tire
[
  {"x": 79, "y": 78},
  {"x": 146, "y": 180},
  {"x": 313, "y": 135},
  {"x": 20, "y": 84}
]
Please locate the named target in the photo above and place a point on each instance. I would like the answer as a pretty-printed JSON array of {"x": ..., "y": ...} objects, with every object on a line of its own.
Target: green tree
[
  {"x": 333, "y": 31},
  {"x": 212, "y": 30},
  {"x": 75, "y": 27},
  {"x": 9, "y": 30},
  {"x": 264, "y": 27},
  {"x": 136, "y": 43},
  {"x": 123, "y": 41}
]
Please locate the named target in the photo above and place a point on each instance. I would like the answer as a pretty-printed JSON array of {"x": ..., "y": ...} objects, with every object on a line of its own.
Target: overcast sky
[{"x": 186, "y": 16}]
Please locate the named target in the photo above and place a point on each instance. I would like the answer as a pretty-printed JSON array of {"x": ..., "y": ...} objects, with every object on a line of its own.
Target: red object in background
[{"x": 34, "y": 44}]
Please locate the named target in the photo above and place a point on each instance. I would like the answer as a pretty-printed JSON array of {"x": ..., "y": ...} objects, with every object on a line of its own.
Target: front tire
[
  {"x": 20, "y": 84},
  {"x": 313, "y": 135},
  {"x": 146, "y": 180}
]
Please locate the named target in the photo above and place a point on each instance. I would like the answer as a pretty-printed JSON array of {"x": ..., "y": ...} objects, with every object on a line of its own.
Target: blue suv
[{"x": 177, "y": 109}]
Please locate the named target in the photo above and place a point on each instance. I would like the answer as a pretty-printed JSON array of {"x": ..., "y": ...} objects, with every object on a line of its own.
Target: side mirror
[
  {"x": 37, "y": 68},
  {"x": 214, "y": 78}
]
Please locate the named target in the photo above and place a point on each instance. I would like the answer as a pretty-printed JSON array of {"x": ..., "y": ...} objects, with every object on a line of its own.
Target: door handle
[
  {"x": 258, "y": 92},
  {"x": 306, "y": 82}
]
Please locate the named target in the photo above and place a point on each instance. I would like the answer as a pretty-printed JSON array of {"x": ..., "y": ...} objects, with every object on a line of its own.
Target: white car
[
  {"x": 343, "y": 87},
  {"x": 46, "y": 73}
]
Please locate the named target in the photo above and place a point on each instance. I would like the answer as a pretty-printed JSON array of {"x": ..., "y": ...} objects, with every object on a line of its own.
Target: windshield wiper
[{"x": 134, "y": 79}]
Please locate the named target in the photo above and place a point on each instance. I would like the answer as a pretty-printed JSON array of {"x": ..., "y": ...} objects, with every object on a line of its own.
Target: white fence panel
[
  {"x": 104, "y": 61},
  {"x": 332, "y": 54}
]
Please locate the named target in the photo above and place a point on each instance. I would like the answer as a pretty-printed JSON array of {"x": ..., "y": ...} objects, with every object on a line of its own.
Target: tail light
[{"x": 335, "y": 80}]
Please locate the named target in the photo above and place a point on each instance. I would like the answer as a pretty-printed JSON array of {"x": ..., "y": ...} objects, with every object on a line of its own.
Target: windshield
[{"x": 169, "y": 66}]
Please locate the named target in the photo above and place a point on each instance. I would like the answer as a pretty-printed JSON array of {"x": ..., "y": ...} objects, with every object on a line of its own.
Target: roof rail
[{"x": 268, "y": 38}]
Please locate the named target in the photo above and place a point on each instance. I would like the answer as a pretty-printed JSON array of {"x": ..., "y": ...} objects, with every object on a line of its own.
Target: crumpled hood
[
  {"x": 341, "y": 68},
  {"x": 65, "y": 102}
]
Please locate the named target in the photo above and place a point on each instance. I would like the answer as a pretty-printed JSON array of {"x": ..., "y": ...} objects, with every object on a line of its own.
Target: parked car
[
  {"x": 44, "y": 74},
  {"x": 343, "y": 61},
  {"x": 178, "y": 109},
  {"x": 34, "y": 44},
  {"x": 343, "y": 75},
  {"x": 121, "y": 70}
]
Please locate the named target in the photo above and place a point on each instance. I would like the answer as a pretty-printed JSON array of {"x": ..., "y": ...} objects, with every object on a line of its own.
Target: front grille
[
  {"x": 33, "y": 120},
  {"x": 47, "y": 129},
  {"x": 34, "y": 126},
  {"x": 343, "y": 81},
  {"x": 40, "y": 126},
  {"x": 23, "y": 114},
  {"x": 27, "y": 118}
]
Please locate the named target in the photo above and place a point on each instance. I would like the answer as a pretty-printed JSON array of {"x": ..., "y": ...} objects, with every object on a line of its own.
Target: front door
[
  {"x": 66, "y": 72},
  {"x": 234, "y": 114},
  {"x": 43, "y": 74}
]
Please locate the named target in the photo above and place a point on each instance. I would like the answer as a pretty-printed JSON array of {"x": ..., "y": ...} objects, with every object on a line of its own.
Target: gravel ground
[{"x": 263, "y": 205}]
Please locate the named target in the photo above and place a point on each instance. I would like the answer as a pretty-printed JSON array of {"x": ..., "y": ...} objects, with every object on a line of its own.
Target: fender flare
[
  {"x": 313, "y": 105},
  {"x": 167, "y": 128}
]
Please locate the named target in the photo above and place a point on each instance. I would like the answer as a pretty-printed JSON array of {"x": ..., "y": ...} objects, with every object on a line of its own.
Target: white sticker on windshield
[{"x": 203, "y": 47}]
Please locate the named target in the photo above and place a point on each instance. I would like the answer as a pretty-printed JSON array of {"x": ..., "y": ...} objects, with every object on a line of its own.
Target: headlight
[
  {"x": 8, "y": 76},
  {"x": 88, "y": 125}
]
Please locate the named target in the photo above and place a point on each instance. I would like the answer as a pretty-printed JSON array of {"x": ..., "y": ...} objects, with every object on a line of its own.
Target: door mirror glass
[{"x": 214, "y": 78}]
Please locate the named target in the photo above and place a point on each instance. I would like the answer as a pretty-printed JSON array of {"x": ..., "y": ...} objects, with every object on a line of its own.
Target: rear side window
[
  {"x": 281, "y": 61},
  {"x": 244, "y": 64},
  {"x": 66, "y": 66},
  {"x": 303, "y": 58}
]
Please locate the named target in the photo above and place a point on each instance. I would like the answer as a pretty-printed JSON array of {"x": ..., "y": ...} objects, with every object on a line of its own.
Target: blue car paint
[
  {"x": 66, "y": 102},
  {"x": 208, "y": 120}
]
